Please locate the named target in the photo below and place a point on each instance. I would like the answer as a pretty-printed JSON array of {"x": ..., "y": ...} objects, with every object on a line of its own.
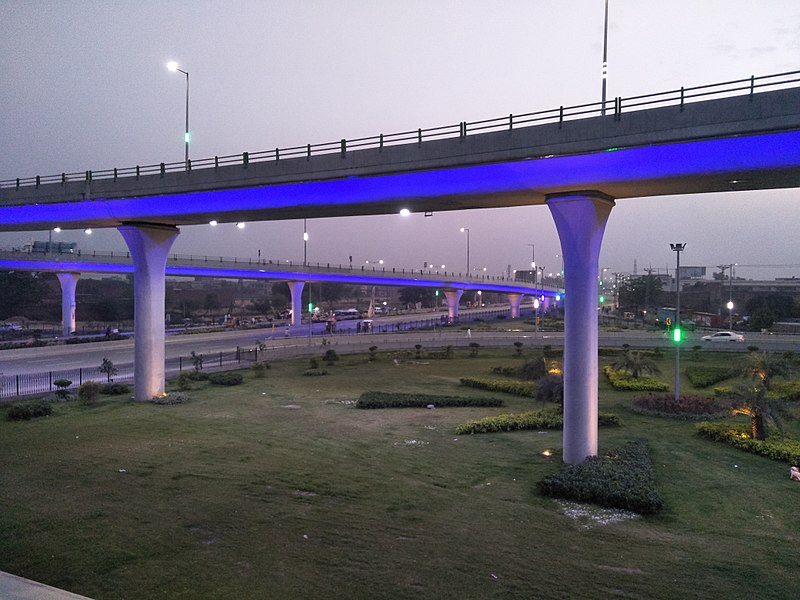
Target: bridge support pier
[
  {"x": 68, "y": 281},
  {"x": 149, "y": 246},
  {"x": 580, "y": 219},
  {"x": 296, "y": 291},
  {"x": 515, "y": 300},
  {"x": 453, "y": 298}
]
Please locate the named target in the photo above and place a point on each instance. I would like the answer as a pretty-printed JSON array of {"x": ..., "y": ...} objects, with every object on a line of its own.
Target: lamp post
[
  {"x": 533, "y": 261},
  {"x": 305, "y": 244},
  {"x": 173, "y": 66},
  {"x": 677, "y": 248},
  {"x": 463, "y": 229},
  {"x": 605, "y": 61},
  {"x": 730, "y": 318}
]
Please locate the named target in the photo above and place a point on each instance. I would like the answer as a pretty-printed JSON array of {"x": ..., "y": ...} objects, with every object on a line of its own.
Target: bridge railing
[{"x": 616, "y": 106}]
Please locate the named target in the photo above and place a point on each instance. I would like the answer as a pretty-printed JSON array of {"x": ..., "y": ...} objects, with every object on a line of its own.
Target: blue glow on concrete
[
  {"x": 179, "y": 271},
  {"x": 589, "y": 171}
]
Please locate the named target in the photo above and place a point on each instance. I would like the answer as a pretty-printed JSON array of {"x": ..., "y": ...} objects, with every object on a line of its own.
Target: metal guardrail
[{"x": 676, "y": 97}]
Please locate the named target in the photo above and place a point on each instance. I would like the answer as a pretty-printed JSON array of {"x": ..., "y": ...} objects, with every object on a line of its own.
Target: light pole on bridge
[
  {"x": 466, "y": 229},
  {"x": 173, "y": 66}
]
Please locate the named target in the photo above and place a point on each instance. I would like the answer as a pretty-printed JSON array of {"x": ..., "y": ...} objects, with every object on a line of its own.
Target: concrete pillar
[
  {"x": 580, "y": 219},
  {"x": 515, "y": 300},
  {"x": 149, "y": 246},
  {"x": 453, "y": 298},
  {"x": 69, "y": 281},
  {"x": 296, "y": 290}
]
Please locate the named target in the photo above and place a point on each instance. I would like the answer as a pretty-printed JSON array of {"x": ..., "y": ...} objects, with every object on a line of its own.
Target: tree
[
  {"x": 636, "y": 364},
  {"x": 763, "y": 367},
  {"x": 411, "y": 295},
  {"x": 640, "y": 292},
  {"x": 331, "y": 291},
  {"x": 21, "y": 292},
  {"x": 108, "y": 368}
]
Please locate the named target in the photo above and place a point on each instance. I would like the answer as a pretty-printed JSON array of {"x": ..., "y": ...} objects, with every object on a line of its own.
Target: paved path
[{"x": 19, "y": 588}]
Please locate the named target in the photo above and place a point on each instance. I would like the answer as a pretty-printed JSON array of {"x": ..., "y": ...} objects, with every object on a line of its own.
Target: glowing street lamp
[
  {"x": 466, "y": 229},
  {"x": 173, "y": 66},
  {"x": 730, "y": 309}
]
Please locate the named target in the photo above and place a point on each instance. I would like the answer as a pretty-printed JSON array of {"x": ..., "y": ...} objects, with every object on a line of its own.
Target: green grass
[{"x": 238, "y": 494}]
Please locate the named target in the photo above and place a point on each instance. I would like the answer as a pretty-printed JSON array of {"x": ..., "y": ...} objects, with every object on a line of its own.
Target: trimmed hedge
[
  {"x": 776, "y": 448},
  {"x": 518, "y": 388},
  {"x": 785, "y": 390},
  {"x": 399, "y": 400},
  {"x": 115, "y": 389},
  {"x": 703, "y": 377},
  {"x": 225, "y": 378},
  {"x": 29, "y": 410},
  {"x": 686, "y": 407},
  {"x": 550, "y": 418},
  {"x": 621, "y": 381},
  {"x": 621, "y": 479}
]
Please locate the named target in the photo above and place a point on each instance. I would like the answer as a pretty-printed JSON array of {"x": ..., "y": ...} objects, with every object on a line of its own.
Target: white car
[{"x": 723, "y": 336}]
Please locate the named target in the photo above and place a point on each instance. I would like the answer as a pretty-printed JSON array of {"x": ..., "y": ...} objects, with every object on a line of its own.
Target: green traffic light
[
  {"x": 602, "y": 299},
  {"x": 187, "y": 137},
  {"x": 310, "y": 307},
  {"x": 676, "y": 335}
]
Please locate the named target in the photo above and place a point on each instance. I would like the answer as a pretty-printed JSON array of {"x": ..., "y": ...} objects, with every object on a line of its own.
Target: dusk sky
[{"x": 84, "y": 85}]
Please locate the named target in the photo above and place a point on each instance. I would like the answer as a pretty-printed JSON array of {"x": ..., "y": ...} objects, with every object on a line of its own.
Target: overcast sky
[{"x": 83, "y": 85}]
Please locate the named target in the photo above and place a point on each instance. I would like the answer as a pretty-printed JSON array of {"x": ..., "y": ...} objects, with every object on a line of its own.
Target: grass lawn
[{"x": 279, "y": 488}]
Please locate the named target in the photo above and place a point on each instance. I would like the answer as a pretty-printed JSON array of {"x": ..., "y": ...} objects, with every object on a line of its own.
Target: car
[{"x": 723, "y": 336}]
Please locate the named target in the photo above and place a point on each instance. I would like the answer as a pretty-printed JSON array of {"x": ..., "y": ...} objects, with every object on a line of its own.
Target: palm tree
[
  {"x": 762, "y": 367},
  {"x": 636, "y": 364}
]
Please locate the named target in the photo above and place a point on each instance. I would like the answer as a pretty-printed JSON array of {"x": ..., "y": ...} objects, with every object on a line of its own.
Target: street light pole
[
  {"x": 605, "y": 61},
  {"x": 678, "y": 248},
  {"x": 173, "y": 66},
  {"x": 305, "y": 244},
  {"x": 533, "y": 262},
  {"x": 463, "y": 229}
]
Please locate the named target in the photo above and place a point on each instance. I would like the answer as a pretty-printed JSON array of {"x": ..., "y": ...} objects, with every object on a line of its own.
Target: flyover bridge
[
  {"x": 732, "y": 136},
  {"x": 68, "y": 268}
]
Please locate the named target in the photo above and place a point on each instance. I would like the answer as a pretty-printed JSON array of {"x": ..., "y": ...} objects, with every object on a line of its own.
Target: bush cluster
[
  {"x": 621, "y": 479},
  {"x": 315, "y": 372},
  {"x": 685, "y": 407},
  {"x": 550, "y": 418},
  {"x": 225, "y": 378},
  {"x": 115, "y": 389},
  {"x": 785, "y": 390},
  {"x": 112, "y": 337},
  {"x": 88, "y": 392},
  {"x": 703, "y": 376},
  {"x": 400, "y": 400},
  {"x": 621, "y": 381},
  {"x": 519, "y": 388},
  {"x": 29, "y": 410},
  {"x": 776, "y": 448},
  {"x": 505, "y": 371},
  {"x": 171, "y": 398},
  {"x": 259, "y": 369}
]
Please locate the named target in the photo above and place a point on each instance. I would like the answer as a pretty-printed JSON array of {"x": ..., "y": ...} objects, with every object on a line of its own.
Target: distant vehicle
[
  {"x": 723, "y": 336},
  {"x": 343, "y": 314}
]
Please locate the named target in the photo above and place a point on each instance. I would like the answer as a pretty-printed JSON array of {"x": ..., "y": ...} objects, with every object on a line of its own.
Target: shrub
[
  {"x": 533, "y": 369},
  {"x": 787, "y": 390},
  {"x": 330, "y": 356},
  {"x": 620, "y": 381},
  {"x": 550, "y": 388},
  {"x": 62, "y": 384},
  {"x": 549, "y": 418},
  {"x": 225, "y": 378},
  {"x": 507, "y": 371},
  {"x": 315, "y": 372},
  {"x": 373, "y": 353},
  {"x": 519, "y": 388},
  {"x": 312, "y": 363},
  {"x": 399, "y": 400},
  {"x": 171, "y": 398},
  {"x": 704, "y": 376},
  {"x": 184, "y": 381},
  {"x": 115, "y": 389},
  {"x": 686, "y": 407},
  {"x": 198, "y": 376},
  {"x": 776, "y": 448},
  {"x": 29, "y": 410},
  {"x": 752, "y": 348},
  {"x": 259, "y": 369},
  {"x": 518, "y": 348},
  {"x": 473, "y": 349},
  {"x": 418, "y": 349},
  {"x": 621, "y": 479},
  {"x": 197, "y": 361},
  {"x": 108, "y": 368},
  {"x": 88, "y": 392}
]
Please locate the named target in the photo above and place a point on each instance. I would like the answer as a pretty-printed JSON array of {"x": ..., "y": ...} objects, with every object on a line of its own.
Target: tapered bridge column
[
  {"x": 453, "y": 298},
  {"x": 69, "y": 281},
  {"x": 149, "y": 246},
  {"x": 515, "y": 300},
  {"x": 580, "y": 219},
  {"x": 296, "y": 291}
]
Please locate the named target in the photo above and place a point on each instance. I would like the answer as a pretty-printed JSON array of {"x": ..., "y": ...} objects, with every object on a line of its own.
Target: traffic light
[
  {"x": 602, "y": 299},
  {"x": 437, "y": 293},
  {"x": 676, "y": 334},
  {"x": 310, "y": 307}
]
